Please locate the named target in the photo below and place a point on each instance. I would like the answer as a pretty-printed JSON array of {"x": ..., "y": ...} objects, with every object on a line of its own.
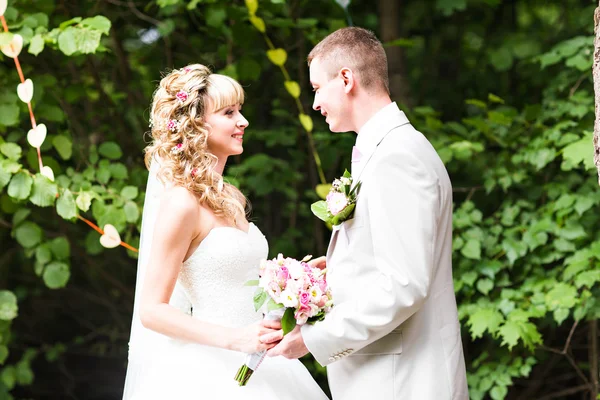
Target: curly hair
[{"x": 180, "y": 135}]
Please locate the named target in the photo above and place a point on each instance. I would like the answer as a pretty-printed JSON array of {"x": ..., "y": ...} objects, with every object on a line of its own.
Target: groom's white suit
[{"x": 393, "y": 332}]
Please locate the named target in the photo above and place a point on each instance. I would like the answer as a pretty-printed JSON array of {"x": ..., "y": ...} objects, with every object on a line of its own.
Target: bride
[{"x": 193, "y": 317}]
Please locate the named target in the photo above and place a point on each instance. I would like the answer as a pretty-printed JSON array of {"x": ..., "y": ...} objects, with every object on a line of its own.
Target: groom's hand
[
  {"x": 320, "y": 262},
  {"x": 292, "y": 346}
]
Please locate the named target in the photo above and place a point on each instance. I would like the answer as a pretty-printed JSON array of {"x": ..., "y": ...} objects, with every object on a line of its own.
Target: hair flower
[
  {"x": 173, "y": 125},
  {"x": 177, "y": 149},
  {"x": 182, "y": 96}
]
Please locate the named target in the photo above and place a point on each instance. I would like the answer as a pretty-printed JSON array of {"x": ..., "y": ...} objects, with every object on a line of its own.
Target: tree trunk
[
  {"x": 389, "y": 18},
  {"x": 596, "y": 75}
]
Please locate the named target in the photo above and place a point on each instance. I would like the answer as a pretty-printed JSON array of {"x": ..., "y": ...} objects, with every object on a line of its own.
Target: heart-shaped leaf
[
  {"x": 323, "y": 190},
  {"x": 25, "y": 91},
  {"x": 293, "y": 88},
  {"x": 306, "y": 122},
  {"x": 111, "y": 237},
  {"x": 47, "y": 172},
  {"x": 13, "y": 49},
  {"x": 258, "y": 23},
  {"x": 252, "y": 6},
  {"x": 277, "y": 56},
  {"x": 37, "y": 135}
]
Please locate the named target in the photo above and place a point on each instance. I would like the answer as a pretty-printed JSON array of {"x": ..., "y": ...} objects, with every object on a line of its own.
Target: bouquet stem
[{"x": 254, "y": 360}]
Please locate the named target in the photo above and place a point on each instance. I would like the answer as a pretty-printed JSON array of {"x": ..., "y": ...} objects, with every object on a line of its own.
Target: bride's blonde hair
[{"x": 180, "y": 134}]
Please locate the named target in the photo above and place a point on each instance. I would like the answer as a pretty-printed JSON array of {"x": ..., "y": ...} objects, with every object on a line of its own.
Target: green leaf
[
  {"x": 252, "y": 6},
  {"x": 44, "y": 191},
  {"x": 20, "y": 216},
  {"x": 129, "y": 192},
  {"x": 43, "y": 255},
  {"x": 99, "y": 23},
  {"x": 20, "y": 186},
  {"x": 323, "y": 190},
  {"x": 79, "y": 40},
  {"x": 118, "y": 171},
  {"x": 83, "y": 201},
  {"x": 484, "y": 319},
  {"x": 28, "y": 234},
  {"x": 510, "y": 334},
  {"x": 587, "y": 278},
  {"x": 3, "y": 354},
  {"x": 288, "y": 322},
  {"x": 562, "y": 295},
  {"x": 448, "y": 7},
  {"x": 70, "y": 22},
  {"x": 253, "y": 282},
  {"x": 514, "y": 249},
  {"x": 60, "y": 248},
  {"x": 319, "y": 209},
  {"x": 215, "y": 16},
  {"x": 63, "y": 146},
  {"x": 65, "y": 205},
  {"x": 56, "y": 275},
  {"x": 110, "y": 150},
  {"x": 9, "y": 114},
  {"x": 560, "y": 314},
  {"x": 576, "y": 152},
  {"x": 8, "y": 305},
  {"x": 258, "y": 23},
  {"x": 343, "y": 215},
  {"x": 132, "y": 212},
  {"x": 36, "y": 46},
  {"x": 485, "y": 285},
  {"x": 271, "y": 305},
  {"x": 501, "y": 59},
  {"x": 277, "y": 56},
  {"x": 498, "y": 392},
  {"x": 259, "y": 298},
  {"x": 293, "y": 88},
  {"x": 11, "y": 150},
  {"x": 472, "y": 249}
]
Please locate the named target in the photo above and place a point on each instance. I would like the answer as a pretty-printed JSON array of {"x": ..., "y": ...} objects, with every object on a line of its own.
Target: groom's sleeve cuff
[{"x": 310, "y": 335}]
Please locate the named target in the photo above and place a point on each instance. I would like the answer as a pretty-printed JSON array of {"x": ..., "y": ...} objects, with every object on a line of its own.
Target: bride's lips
[{"x": 238, "y": 136}]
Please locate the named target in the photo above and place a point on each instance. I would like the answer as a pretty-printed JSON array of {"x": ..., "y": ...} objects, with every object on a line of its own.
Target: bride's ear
[{"x": 348, "y": 78}]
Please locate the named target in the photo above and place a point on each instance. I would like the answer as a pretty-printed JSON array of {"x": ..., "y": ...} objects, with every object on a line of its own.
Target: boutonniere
[{"x": 339, "y": 204}]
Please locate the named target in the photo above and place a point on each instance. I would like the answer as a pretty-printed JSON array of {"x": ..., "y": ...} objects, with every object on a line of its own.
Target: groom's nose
[{"x": 316, "y": 106}]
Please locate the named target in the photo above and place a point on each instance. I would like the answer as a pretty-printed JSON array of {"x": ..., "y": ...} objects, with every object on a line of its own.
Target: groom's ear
[{"x": 348, "y": 78}]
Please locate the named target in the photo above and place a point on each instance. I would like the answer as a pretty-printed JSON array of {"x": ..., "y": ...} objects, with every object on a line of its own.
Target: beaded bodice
[{"x": 213, "y": 277}]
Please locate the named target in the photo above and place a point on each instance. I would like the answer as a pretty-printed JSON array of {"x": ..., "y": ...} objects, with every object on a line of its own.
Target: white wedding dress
[{"x": 213, "y": 280}]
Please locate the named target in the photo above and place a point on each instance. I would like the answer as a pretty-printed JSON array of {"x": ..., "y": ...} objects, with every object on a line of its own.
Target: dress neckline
[{"x": 215, "y": 229}]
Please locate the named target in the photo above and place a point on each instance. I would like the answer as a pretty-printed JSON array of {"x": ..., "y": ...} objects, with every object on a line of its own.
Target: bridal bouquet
[{"x": 291, "y": 291}]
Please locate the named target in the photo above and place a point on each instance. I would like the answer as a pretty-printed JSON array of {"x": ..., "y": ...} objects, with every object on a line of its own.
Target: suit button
[{"x": 331, "y": 359}]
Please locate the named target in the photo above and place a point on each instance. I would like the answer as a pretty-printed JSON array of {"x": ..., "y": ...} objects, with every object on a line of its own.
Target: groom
[{"x": 393, "y": 332}]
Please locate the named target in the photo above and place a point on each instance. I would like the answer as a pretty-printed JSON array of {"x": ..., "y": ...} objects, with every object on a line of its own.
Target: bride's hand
[{"x": 260, "y": 336}]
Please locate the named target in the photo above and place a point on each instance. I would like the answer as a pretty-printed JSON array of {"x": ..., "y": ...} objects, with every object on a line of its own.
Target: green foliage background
[{"x": 502, "y": 89}]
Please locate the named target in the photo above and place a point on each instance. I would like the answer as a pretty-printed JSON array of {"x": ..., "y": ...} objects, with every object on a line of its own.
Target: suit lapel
[{"x": 359, "y": 167}]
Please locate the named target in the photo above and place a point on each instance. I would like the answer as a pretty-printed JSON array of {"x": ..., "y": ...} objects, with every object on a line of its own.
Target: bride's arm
[{"x": 177, "y": 225}]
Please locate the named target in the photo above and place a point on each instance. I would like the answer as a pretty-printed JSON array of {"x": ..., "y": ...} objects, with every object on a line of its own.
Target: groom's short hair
[{"x": 358, "y": 49}]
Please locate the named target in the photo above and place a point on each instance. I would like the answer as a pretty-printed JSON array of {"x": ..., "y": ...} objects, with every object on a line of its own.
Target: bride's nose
[{"x": 242, "y": 122}]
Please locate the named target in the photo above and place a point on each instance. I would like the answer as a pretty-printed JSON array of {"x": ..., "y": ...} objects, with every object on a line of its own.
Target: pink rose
[
  {"x": 283, "y": 275},
  {"x": 336, "y": 202},
  {"x": 304, "y": 298}
]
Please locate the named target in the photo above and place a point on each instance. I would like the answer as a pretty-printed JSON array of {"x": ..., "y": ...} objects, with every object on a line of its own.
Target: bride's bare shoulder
[{"x": 180, "y": 200}]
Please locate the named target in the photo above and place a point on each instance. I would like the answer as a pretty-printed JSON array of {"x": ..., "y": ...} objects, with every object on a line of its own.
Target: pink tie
[{"x": 355, "y": 154}]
